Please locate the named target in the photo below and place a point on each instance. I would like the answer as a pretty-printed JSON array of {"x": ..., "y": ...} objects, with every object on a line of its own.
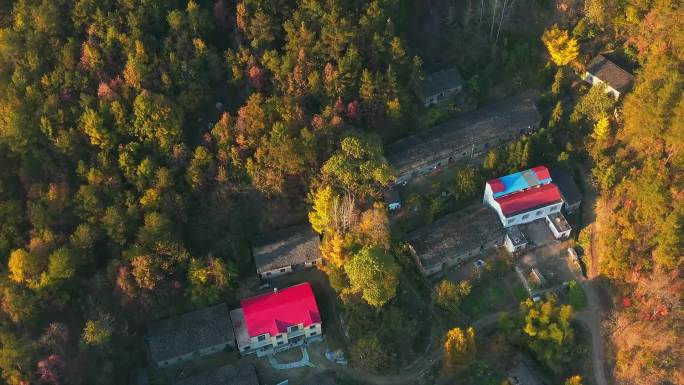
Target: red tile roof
[
  {"x": 497, "y": 185},
  {"x": 542, "y": 172},
  {"x": 273, "y": 312},
  {"x": 529, "y": 200}
]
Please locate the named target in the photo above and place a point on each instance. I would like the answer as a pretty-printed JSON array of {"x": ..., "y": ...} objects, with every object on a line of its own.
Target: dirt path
[{"x": 591, "y": 317}]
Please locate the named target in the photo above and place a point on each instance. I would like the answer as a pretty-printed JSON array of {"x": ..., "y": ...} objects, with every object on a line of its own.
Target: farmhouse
[
  {"x": 241, "y": 374},
  {"x": 462, "y": 138},
  {"x": 198, "y": 333},
  {"x": 283, "y": 251},
  {"x": 440, "y": 86},
  {"x": 455, "y": 238},
  {"x": 572, "y": 197},
  {"x": 602, "y": 70},
  {"x": 277, "y": 321},
  {"x": 523, "y": 197}
]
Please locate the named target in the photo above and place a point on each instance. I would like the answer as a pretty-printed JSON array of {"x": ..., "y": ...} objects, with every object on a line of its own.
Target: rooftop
[
  {"x": 455, "y": 233},
  {"x": 559, "y": 222},
  {"x": 520, "y": 181},
  {"x": 189, "y": 332},
  {"x": 241, "y": 374},
  {"x": 566, "y": 183},
  {"x": 502, "y": 119},
  {"x": 530, "y": 199},
  {"x": 274, "y": 312},
  {"x": 440, "y": 81},
  {"x": 285, "y": 247},
  {"x": 610, "y": 73},
  {"x": 516, "y": 236}
]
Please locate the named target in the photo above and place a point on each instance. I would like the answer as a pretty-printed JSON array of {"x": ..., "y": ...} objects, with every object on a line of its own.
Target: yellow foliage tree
[
  {"x": 562, "y": 48},
  {"x": 459, "y": 348},
  {"x": 322, "y": 201},
  {"x": 332, "y": 249},
  {"x": 574, "y": 380},
  {"x": 601, "y": 128},
  {"x": 24, "y": 267},
  {"x": 374, "y": 226}
]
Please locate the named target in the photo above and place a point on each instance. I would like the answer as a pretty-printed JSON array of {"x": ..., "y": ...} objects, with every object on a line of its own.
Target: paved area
[{"x": 291, "y": 365}]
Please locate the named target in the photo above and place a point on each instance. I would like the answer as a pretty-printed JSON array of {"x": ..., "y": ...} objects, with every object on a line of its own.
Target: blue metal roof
[{"x": 520, "y": 181}]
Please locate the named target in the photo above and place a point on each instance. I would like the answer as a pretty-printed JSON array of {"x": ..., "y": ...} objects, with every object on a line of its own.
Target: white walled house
[
  {"x": 277, "y": 321},
  {"x": 523, "y": 197},
  {"x": 283, "y": 251},
  {"x": 602, "y": 71}
]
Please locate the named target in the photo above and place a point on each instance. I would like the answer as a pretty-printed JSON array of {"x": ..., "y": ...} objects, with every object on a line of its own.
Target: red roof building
[
  {"x": 529, "y": 200},
  {"x": 273, "y": 313}
]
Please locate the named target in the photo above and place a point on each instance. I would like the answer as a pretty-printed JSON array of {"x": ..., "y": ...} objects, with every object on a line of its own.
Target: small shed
[
  {"x": 572, "y": 197},
  {"x": 440, "y": 86},
  {"x": 393, "y": 199}
]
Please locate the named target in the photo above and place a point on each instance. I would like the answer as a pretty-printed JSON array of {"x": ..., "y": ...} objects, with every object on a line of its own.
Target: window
[
  {"x": 279, "y": 336},
  {"x": 525, "y": 216},
  {"x": 540, "y": 212},
  {"x": 282, "y": 270},
  {"x": 280, "y": 342},
  {"x": 312, "y": 327},
  {"x": 268, "y": 273},
  {"x": 261, "y": 338},
  {"x": 312, "y": 334},
  {"x": 294, "y": 328}
]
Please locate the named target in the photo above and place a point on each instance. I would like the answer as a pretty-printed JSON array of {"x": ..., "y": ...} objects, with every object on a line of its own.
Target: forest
[{"x": 142, "y": 144}]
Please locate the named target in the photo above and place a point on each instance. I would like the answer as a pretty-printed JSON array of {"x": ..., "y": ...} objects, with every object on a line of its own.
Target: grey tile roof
[
  {"x": 440, "y": 81},
  {"x": 455, "y": 234},
  {"x": 190, "y": 332},
  {"x": 241, "y": 374},
  {"x": 610, "y": 73},
  {"x": 485, "y": 125},
  {"x": 289, "y": 246},
  {"x": 568, "y": 187}
]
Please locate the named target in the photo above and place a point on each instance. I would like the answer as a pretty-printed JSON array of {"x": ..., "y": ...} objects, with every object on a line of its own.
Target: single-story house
[
  {"x": 463, "y": 138},
  {"x": 572, "y": 197},
  {"x": 455, "y": 238},
  {"x": 277, "y": 321},
  {"x": 440, "y": 86},
  {"x": 240, "y": 374},
  {"x": 602, "y": 70},
  {"x": 194, "y": 334},
  {"x": 285, "y": 250}
]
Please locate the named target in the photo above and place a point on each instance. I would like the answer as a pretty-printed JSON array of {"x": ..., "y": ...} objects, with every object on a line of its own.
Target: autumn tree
[
  {"x": 448, "y": 295},
  {"x": 374, "y": 274},
  {"x": 459, "y": 348},
  {"x": 548, "y": 331},
  {"x": 562, "y": 48}
]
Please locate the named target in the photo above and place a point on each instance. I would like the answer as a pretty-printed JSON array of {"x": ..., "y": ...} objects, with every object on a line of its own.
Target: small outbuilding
[
  {"x": 286, "y": 250},
  {"x": 241, "y": 374},
  {"x": 601, "y": 70},
  {"x": 393, "y": 199},
  {"x": 195, "y": 334},
  {"x": 515, "y": 240},
  {"x": 440, "y": 86},
  {"x": 572, "y": 197}
]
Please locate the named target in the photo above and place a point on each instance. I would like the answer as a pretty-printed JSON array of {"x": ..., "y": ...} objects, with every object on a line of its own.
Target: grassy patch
[
  {"x": 519, "y": 292},
  {"x": 576, "y": 296},
  {"x": 486, "y": 296}
]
